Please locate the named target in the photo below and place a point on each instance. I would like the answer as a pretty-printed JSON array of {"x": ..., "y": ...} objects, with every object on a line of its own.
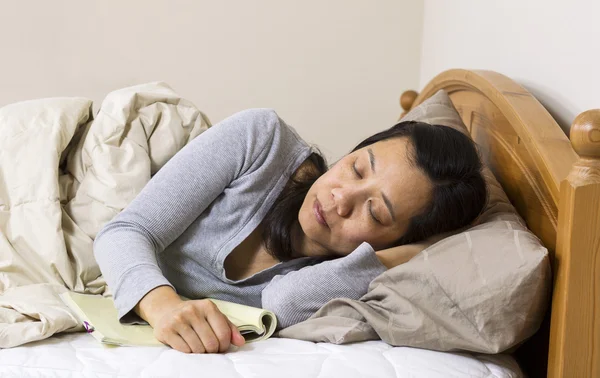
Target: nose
[{"x": 344, "y": 199}]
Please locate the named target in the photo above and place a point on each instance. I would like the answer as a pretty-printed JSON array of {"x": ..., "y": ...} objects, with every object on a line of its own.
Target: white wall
[
  {"x": 552, "y": 48},
  {"x": 333, "y": 69}
]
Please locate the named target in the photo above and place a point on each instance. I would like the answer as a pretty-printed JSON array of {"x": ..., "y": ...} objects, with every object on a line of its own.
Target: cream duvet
[{"x": 63, "y": 174}]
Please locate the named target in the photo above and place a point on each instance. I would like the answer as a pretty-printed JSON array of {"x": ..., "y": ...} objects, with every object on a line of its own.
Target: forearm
[
  {"x": 127, "y": 259},
  {"x": 297, "y": 295}
]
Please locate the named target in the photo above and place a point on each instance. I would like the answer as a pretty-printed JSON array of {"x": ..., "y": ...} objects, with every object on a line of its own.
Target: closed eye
[
  {"x": 356, "y": 170},
  {"x": 373, "y": 215},
  {"x": 357, "y": 173}
]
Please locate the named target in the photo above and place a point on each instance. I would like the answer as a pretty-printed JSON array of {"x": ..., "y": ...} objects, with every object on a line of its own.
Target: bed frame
[{"x": 554, "y": 183}]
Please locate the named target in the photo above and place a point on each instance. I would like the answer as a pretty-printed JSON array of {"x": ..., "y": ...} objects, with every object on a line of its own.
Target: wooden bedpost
[
  {"x": 575, "y": 324},
  {"x": 406, "y": 101}
]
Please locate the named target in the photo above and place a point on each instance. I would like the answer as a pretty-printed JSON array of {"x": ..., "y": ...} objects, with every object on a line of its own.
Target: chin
[
  {"x": 309, "y": 226},
  {"x": 312, "y": 232}
]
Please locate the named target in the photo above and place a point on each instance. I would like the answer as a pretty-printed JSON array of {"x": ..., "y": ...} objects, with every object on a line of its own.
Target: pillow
[
  {"x": 484, "y": 289},
  {"x": 439, "y": 110}
]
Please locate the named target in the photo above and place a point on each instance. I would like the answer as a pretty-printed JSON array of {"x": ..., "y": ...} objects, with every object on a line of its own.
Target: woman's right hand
[{"x": 194, "y": 326}]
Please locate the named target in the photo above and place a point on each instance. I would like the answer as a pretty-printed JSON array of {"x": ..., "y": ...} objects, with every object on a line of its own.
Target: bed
[
  {"x": 80, "y": 355},
  {"x": 553, "y": 182}
]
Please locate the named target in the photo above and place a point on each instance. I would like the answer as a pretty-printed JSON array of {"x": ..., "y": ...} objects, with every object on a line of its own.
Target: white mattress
[{"x": 80, "y": 355}]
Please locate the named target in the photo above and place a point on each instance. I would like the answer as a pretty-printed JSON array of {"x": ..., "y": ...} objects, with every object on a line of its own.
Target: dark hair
[
  {"x": 452, "y": 163},
  {"x": 282, "y": 219},
  {"x": 446, "y": 156}
]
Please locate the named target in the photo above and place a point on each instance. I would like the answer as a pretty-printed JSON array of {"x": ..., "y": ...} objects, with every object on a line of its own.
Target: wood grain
[
  {"x": 554, "y": 183},
  {"x": 575, "y": 331}
]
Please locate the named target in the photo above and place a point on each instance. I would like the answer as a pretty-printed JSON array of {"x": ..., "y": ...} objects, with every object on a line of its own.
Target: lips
[{"x": 319, "y": 213}]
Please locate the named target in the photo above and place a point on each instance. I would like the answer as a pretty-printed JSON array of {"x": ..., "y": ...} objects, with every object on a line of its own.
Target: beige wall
[
  {"x": 333, "y": 69},
  {"x": 552, "y": 48}
]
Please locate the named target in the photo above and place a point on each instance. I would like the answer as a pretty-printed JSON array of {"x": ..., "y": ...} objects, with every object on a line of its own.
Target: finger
[
  {"x": 236, "y": 337},
  {"x": 176, "y": 342},
  {"x": 207, "y": 336},
  {"x": 189, "y": 335},
  {"x": 220, "y": 326}
]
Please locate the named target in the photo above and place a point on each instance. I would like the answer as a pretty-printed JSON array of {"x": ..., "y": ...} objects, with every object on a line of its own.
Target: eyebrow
[{"x": 385, "y": 199}]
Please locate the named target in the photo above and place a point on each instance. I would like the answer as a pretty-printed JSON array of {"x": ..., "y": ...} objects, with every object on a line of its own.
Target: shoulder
[
  {"x": 254, "y": 120},
  {"x": 261, "y": 125}
]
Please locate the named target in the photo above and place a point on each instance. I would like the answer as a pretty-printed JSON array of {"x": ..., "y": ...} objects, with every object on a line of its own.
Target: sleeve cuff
[
  {"x": 363, "y": 266},
  {"x": 134, "y": 285}
]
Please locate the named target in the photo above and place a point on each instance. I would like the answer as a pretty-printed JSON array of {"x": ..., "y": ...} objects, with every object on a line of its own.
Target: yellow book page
[
  {"x": 102, "y": 315},
  {"x": 254, "y": 323}
]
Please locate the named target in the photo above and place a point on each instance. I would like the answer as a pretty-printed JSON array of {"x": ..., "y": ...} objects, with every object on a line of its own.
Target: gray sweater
[{"x": 203, "y": 203}]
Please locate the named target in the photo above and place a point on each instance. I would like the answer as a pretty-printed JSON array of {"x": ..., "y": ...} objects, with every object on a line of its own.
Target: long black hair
[
  {"x": 282, "y": 219},
  {"x": 452, "y": 163},
  {"x": 446, "y": 156}
]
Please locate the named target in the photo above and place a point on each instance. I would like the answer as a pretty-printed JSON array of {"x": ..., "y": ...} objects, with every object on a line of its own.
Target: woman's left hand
[{"x": 395, "y": 256}]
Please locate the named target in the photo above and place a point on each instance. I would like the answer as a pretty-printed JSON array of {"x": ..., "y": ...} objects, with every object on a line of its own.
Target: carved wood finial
[
  {"x": 585, "y": 134},
  {"x": 406, "y": 101}
]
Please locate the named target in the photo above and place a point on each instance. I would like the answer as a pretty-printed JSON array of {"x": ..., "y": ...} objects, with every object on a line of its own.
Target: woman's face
[{"x": 369, "y": 195}]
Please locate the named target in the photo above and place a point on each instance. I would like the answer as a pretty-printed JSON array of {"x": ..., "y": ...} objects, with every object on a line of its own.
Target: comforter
[{"x": 64, "y": 173}]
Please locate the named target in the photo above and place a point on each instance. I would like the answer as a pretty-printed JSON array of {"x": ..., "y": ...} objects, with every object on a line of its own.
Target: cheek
[
  {"x": 305, "y": 212},
  {"x": 355, "y": 232},
  {"x": 334, "y": 173},
  {"x": 316, "y": 187},
  {"x": 377, "y": 236}
]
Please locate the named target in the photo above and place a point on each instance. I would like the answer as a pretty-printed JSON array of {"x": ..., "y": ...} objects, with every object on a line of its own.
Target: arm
[
  {"x": 155, "y": 302},
  {"x": 126, "y": 247},
  {"x": 294, "y": 297}
]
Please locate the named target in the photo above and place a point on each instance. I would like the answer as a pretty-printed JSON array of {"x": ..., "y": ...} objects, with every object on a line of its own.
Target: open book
[{"x": 100, "y": 318}]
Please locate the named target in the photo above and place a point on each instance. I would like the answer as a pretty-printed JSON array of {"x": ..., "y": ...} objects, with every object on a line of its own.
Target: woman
[{"x": 249, "y": 213}]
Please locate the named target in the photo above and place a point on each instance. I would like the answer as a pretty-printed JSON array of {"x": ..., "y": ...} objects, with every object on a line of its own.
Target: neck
[{"x": 303, "y": 246}]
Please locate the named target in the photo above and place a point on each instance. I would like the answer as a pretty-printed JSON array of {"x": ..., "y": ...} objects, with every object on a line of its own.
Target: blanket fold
[{"x": 63, "y": 175}]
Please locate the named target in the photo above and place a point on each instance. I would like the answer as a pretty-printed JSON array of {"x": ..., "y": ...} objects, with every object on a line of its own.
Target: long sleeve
[
  {"x": 126, "y": 248},
  {"x": 294, "y": 297}
]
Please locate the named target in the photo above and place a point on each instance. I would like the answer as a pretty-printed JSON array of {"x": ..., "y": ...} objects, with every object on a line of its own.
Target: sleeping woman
[{"x": 248, "y": 212}]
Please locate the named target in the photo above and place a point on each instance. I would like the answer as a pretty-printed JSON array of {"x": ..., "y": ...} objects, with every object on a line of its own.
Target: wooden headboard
[{"x": 554, "y": 183}]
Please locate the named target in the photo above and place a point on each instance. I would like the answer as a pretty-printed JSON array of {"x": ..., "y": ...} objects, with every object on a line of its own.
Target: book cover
[{"x": 99, "y": 317}]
